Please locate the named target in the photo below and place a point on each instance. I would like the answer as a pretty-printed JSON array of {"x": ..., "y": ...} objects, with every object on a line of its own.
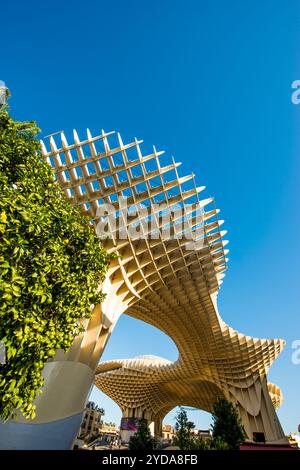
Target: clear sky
[{"x": 209, "y": 82}]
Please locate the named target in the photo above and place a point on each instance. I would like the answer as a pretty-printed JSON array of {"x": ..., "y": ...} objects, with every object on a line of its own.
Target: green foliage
[
  {"x": 218, "y": 443},
  {"x": 198, "y": 443},
  {"x": 51, "y": 266},
  {"x": 142, "y": 439},
  {"x": 185, "y": 440},
  {"x": 227, "y": 425},
  {"x": 183, "y": 427}
]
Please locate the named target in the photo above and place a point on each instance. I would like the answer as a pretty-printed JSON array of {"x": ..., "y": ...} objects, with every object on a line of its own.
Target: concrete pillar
[
  {"x": 130, "y": 421},
  {"x": 59, "y": 410},
  {"x": 158, "y": 427},
  {"x": 257, "y": 411}
]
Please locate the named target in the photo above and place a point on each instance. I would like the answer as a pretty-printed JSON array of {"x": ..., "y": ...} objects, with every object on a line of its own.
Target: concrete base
[
  {"x": 59, "y": 410},
  {"x": 57, "y": 435}
]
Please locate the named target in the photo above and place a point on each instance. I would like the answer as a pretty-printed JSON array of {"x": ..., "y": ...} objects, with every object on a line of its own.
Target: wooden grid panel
[{"x": 78, "y": 167}]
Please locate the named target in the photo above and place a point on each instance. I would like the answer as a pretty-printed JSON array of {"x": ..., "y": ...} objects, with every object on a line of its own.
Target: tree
[
  {"x": 219, "y": 444},
  {"x": 142, "y": 439},
  {"x": 51, "y": 266},
  {"x": 183, "y": 437},
  {"x": 227, "y": 425},
  {"x": 198, "y": 443}
]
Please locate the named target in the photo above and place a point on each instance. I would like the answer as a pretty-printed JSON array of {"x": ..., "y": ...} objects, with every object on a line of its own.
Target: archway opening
[
  {"x": 132, "y": 338},
  {"x": 201, "y": 419}
]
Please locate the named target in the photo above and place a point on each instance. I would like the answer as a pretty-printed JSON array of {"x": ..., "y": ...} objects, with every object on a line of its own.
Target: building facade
[{"x": 92, "y": 421}]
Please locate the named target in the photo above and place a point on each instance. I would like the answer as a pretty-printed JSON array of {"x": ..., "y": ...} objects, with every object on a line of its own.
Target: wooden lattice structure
[{"x": 164, "y": 282}]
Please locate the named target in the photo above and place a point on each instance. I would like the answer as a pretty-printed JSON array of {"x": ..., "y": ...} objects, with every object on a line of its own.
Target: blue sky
[{"x": 209, "y": 82}]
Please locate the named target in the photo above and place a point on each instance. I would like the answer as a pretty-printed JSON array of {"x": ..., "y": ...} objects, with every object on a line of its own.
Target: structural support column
[
  {"x": 257, "y": 411},
  {"x": 158, "y": 427},
  {"x": 130, "y": 421}
]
